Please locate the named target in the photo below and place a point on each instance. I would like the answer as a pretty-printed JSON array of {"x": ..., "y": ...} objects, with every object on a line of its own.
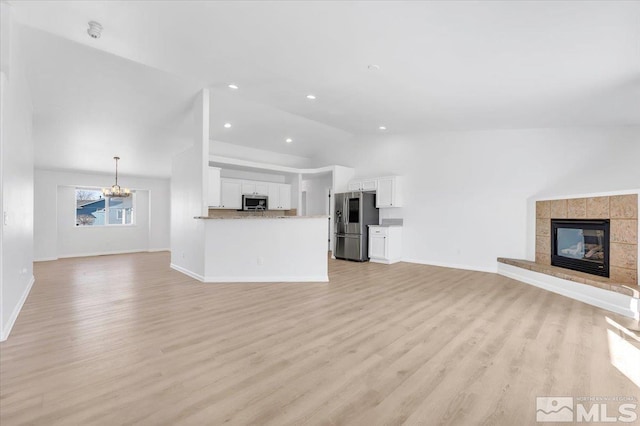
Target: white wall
[
  {"x": 189, "y": 188},
  {"x": 187, "y": 233},
  {"x": 229, "y": 150},
  {"x": 251, "y": 175},
  {"x": 467, "y": 194},
  {"x": 316, "y": 189},
  {"x": 56, "y": 235},
  {"x": 16, "y": 159}
]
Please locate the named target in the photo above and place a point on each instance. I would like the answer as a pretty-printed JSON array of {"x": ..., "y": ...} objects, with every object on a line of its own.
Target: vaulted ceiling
[{"x": 438, "y": 66}]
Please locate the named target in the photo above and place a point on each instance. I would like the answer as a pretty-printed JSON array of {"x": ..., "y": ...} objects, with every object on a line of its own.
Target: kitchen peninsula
[
  {"x": 216, "y": 238},
  {"x": 260, "y": 248}
]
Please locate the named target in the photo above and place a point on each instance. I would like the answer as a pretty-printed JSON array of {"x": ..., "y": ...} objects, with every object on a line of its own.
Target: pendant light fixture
[{"x": 116, "y": 191}]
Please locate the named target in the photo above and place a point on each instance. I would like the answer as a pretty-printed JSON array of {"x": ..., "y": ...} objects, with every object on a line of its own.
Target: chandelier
[{"x": 116, "y": 191}]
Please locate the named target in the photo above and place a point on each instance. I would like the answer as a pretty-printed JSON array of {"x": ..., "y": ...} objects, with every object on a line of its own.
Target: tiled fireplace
[{"x": 621, "y": 211}]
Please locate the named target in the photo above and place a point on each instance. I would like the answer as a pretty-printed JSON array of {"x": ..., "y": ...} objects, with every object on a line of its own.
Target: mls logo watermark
[
  {"x": 586, "y": 409},
  {"x": 554, "y": 409}
]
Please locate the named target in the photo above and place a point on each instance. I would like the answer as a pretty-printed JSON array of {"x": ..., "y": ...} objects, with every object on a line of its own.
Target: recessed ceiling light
[
  {"x": 311, "y": 96},
  {"x": 382, "y": 127},
  {"x": 288, "y": 140},
  {"x": 233, "y": 86},
  {"x": 227, "y": 125},
  {"x": 374, "y": 67}
]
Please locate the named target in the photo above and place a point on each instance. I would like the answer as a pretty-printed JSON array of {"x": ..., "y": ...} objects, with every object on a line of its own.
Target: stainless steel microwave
[{"x": 255, "y": 202}]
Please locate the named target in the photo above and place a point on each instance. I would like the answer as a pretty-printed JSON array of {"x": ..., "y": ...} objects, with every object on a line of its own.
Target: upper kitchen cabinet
[
  {"x": 363, "y": 185},
  {"x": 255, "y": 188},
  {"x": 388, "y": 192},
  {"x": 213, "y": 197},
  {"x": 279, "y": 196},
  {"x": 231, "y": 194},
  {"x": 387, "y": 189}
]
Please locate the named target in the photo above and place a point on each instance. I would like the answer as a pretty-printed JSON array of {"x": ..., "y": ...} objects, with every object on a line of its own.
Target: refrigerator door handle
[{"x": 345, "y": 209}]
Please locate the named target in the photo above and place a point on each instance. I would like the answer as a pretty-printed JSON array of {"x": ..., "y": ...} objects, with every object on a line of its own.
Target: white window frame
[{"x": 106, "y": 210}]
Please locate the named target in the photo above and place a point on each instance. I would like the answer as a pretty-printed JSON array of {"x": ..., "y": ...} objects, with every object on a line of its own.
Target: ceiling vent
[{"x": 95, "y": 29}]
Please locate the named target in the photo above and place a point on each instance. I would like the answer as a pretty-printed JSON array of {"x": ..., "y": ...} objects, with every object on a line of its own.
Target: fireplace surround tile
[
  {"x": 624, "y": 231},
  {"x": 543, "y": 209},
  {"x": 543, "y": 244},
  {"x": 543, "y": 258},
  {"x": 577, "y": 208},
  {"x": 543, "y": 227},
  {"x": 624, "y": 206},
  {"x": 623, "y": 275},
  {"x": 598, "y": 208},
  {"x": 559, "y": 209},
  {"x": 624, "y": 255},
  {"x": 622, "y": 210}
]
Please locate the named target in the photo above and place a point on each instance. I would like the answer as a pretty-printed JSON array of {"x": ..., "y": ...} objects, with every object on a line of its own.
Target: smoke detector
[{"x": 95, "y": 29}]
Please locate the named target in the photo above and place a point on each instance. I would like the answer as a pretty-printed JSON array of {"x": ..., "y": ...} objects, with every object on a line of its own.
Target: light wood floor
[{"x": 123, "y": 339}]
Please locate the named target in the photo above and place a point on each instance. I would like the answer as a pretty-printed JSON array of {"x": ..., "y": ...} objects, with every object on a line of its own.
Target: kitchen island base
[{"x": 264, "y": 249}]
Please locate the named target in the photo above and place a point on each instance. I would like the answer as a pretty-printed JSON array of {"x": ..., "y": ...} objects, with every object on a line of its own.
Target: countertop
[
  {"x": 261, "y": 217},
  {"x": 384, "y": 226}
]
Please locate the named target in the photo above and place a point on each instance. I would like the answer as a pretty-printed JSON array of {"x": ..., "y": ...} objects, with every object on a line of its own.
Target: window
[{"x": 92, "y": 209}]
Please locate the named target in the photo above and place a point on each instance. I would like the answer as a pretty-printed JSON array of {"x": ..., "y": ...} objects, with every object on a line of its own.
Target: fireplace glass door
[{"x": 581, "y": 245}]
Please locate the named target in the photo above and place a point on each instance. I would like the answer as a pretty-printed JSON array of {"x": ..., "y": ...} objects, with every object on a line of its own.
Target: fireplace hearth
[{"x": 581, "y": 245}]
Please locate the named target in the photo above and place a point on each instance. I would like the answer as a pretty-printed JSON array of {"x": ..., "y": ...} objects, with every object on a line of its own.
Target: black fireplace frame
[{"x": 594, "y": 268}]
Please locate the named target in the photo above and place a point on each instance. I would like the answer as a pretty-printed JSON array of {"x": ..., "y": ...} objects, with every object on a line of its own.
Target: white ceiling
[
  {"x": 443, "y": 65},
  {"x": 90, "y": 106}
]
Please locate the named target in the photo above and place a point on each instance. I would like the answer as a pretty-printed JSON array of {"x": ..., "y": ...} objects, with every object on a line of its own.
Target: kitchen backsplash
[{"x": 236, "y": 213}]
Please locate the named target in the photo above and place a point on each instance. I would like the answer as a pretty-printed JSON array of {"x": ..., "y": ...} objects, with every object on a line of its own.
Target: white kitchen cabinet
[
  {"x": 388, "y": 192},
  {"x": 213, "y": 197},
  {"x": 363, "y": 185},
  {"x": 248, "y": 188},
  {"x": 385, "y": 244},
  {"x": 231, "y": 191},
  {"x": 279, "y": 196},
  {"x": 255, "y": 188},
  {"x": 285, "y": 196},
  {"x": 230, "y": 194},
  {"x": 376, "y": 246},
  {"x": 262, "y": 188},
  {"x": 387, "y": 189}
]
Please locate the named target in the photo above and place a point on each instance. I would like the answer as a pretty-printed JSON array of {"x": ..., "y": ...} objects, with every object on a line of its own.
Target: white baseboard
[
  {"x": 610, "y": 300},
  {"x": 105, "y": 253},
  {"x": 275, "y": 279},
  {"x": 187, "y": 272},
  {"x": 6, "y": 330},
  {"x": 453, "y": 265},
  {"x": 386, "y": 262},
  {"x": 109, "y": 253}
]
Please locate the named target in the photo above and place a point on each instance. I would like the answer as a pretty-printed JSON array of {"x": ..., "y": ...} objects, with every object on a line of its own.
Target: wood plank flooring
[{"x": 121, "y": 340}]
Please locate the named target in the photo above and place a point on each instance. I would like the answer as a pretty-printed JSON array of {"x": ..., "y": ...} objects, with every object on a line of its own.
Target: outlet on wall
[{"x": 260, "y": 260}]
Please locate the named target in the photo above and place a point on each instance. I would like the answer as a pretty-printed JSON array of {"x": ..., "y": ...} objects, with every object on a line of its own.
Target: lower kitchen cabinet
[{"x": 385, "y": 244}]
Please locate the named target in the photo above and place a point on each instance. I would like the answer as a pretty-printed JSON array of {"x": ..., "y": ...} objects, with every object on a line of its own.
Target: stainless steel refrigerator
[{"x": 354, "y": 211}]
